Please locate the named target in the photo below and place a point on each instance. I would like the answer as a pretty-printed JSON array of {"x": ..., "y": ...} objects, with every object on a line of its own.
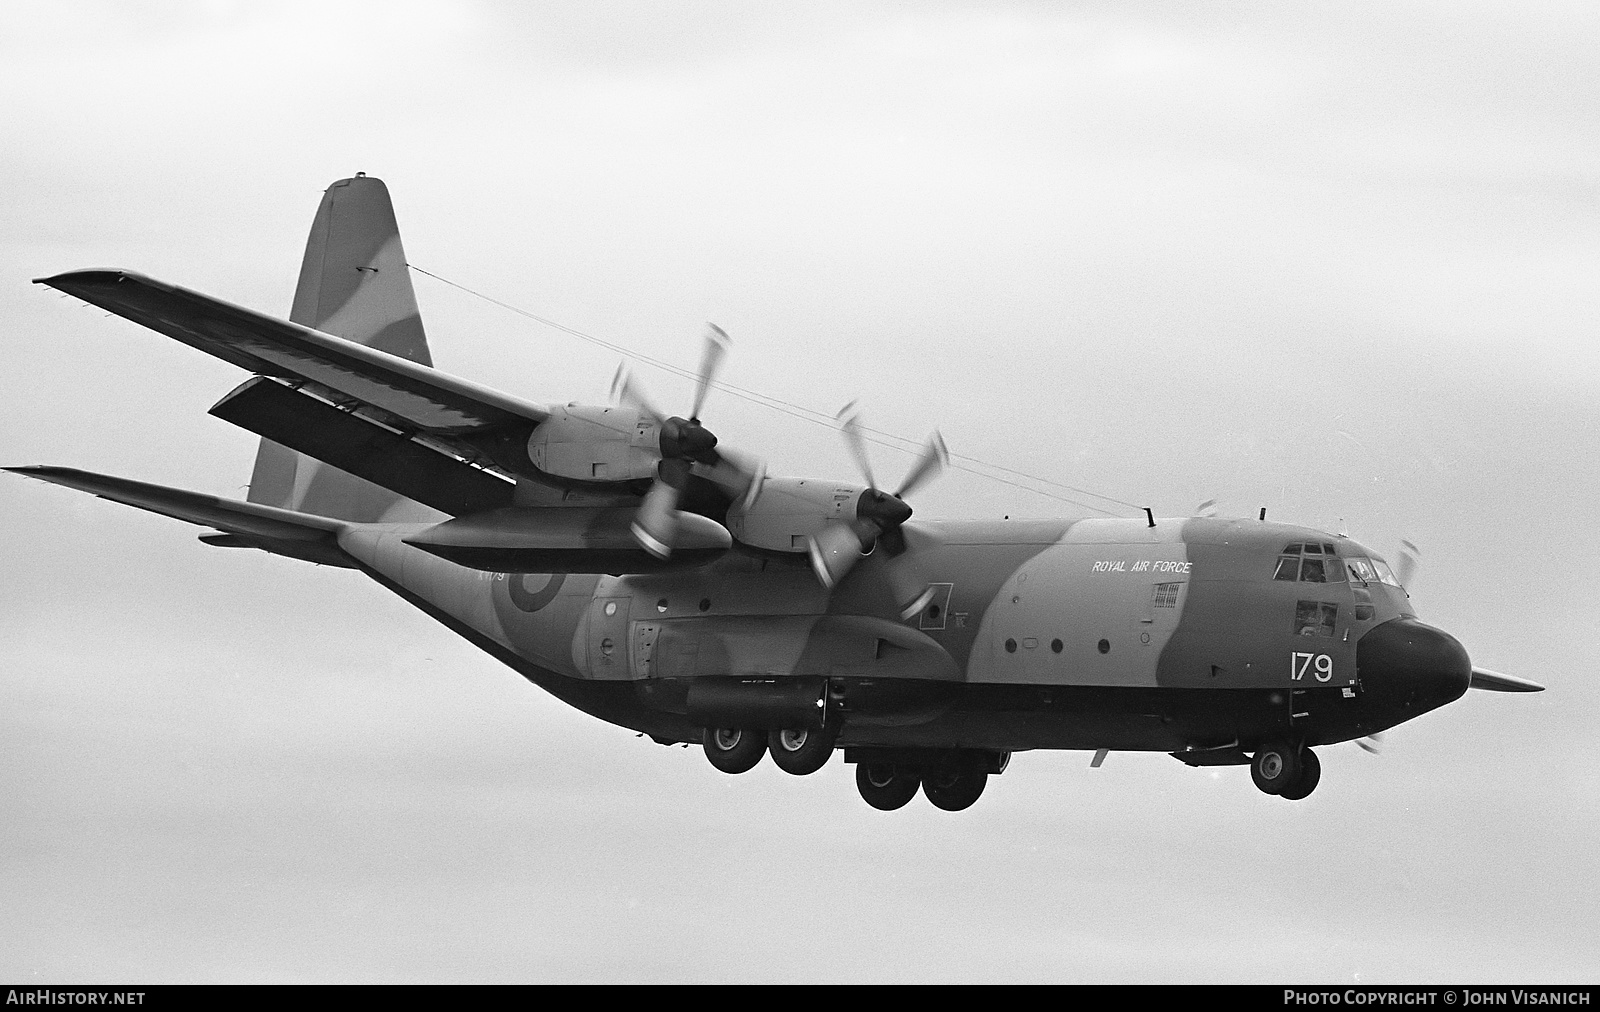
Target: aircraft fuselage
[{"x": 1188, "y": 636}]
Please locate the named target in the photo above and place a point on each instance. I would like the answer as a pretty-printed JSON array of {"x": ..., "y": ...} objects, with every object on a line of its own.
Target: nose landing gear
[{"x": 1287, "y": 770}]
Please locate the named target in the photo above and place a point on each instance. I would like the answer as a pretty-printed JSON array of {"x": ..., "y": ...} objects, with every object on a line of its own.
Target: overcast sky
[{"x": 1336, "y": 260}]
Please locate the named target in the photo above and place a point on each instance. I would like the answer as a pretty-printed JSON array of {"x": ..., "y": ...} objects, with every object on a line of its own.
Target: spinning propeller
[
  {"x": 835, "y": 549},
  {"x": 1407, "y": 560},
  {"x": 684, "y": 442}
]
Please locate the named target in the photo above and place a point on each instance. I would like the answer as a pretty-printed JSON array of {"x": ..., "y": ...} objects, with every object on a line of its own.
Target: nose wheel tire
[
  {"x": 885, "y": 786},
  {"x": 1310, "y": 773},
  {"x": 732, "y": 749},
  {"x": 1276, "y": 767},
  {"x": 801, "y": 752},
  {"x": 953, "y": 791}
]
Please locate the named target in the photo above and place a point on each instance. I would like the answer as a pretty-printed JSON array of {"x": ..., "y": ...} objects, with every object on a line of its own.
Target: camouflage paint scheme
[
  {"x": 1212, "y": 670},
  {"x": 1178, "y": 635}
]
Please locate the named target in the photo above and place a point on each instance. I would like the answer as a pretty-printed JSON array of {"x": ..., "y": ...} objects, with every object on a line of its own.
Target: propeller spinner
[
  {"x": 684, "y": 442},
  {"x": 835, "y": 549}
]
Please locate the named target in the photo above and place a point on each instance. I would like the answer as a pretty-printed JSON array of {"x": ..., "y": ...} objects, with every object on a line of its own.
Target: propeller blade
[
  {"x": 1407, "y": 561},
  {"x": 655, "y": 525},
  {"x": 835, "y": 549},
  {"x": 1372, "y": 743},
  {"x": 626, "y": 390},
  {"x": 850, "y": 425},
  {"x": 934, "y": 457},
  {"x": 1494, "y": 681},
  {"x": 738, "y": 475},
  {"x": 916, "y": 604},
  {"x": 657, "y": 521},
  {"x": 716, "y": 346},
  {"x": 1206, "y": 509}
]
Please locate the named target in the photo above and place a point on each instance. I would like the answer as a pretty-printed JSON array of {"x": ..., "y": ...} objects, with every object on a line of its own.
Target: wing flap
[
  {"x": 363, "y": 448},
  {"x": 418, "y": 395}
]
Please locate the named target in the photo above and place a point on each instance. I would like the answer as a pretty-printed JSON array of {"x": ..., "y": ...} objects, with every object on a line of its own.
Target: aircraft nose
[{"x": 1409, "y": 667}]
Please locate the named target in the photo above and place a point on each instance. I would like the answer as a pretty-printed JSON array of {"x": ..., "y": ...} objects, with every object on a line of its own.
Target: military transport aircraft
[{"x": 625, "y": 562}]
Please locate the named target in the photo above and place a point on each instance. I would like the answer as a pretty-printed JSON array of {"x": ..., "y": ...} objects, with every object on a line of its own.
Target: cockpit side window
[
  {"x": 1372, "y": 571},
  {"x": 1385, "y": 574}
]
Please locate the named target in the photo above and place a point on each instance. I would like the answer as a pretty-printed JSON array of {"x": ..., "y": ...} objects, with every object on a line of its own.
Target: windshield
[{"x": 1309, "y": 562}]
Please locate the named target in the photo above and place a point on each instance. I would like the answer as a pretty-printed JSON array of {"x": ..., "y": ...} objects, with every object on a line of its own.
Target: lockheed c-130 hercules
[{"x": 624, "y": 561}]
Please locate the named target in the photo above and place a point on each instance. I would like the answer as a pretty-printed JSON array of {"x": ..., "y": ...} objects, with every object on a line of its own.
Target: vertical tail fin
[{"x": 354, "y": 284}]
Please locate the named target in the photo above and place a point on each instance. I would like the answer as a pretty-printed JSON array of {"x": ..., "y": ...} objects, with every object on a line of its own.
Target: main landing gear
[
  {"x": 737, "y": 750},
  {"x": 951, "y": 779},
  {"x": 801, "y": 752},
  {"x": 732, "y": 749},
  {"x": 887, "y": 786},
  {"x": 1285, "y": 769}
]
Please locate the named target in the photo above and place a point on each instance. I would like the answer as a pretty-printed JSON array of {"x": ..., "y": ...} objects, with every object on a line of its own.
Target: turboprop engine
[
  {"x": 590, "y": 443},
  {"x": 788, "y": 512}
]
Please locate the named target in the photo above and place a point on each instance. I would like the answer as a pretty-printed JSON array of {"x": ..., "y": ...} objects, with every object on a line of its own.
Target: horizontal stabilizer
[
  {"x": 567, "y": 540},
  {"x": 417, "y": 395},
  {"x": 1494, "y": 681},
  {"x": 261, "y": 525}
]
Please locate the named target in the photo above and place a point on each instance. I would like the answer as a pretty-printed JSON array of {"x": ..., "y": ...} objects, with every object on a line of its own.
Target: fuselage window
[
  {"x": 1288, "y": 568},
  {"x": 1315, "y": 618}
]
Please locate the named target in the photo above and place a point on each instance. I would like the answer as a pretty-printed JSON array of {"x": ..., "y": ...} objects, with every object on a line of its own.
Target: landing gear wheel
[
  {"x": 953, "y": 791},
  {"x": 732, "y": 749},
  {"x": 1310, "y": 773},
  {"x": 886, "y": 786},
  {"x": 1275, "y": 767},
  {"x": 801, "y": 752}
]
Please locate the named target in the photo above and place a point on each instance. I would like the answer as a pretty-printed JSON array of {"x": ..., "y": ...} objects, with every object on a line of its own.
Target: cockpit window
[
  {"x": 1310, "y": 562},
  {"x": 1315, "y": 618},
  {"x": 1385, "y": 574},
  {"x": 1371, "y": 571}
]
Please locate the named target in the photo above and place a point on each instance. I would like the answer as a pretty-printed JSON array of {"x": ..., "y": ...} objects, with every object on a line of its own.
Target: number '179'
[{"x": 1320, "y": 665}]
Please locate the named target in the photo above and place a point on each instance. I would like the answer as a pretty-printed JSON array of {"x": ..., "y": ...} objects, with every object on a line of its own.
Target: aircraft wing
[
  {"x": 416, "y": 395},
  {"x": 287, "y": 531}
]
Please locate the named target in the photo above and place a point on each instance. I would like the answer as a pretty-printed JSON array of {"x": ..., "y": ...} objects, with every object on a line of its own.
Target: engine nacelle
[
  {"x": 788, "y": 511},
  {"x": 590, "y": 443}
]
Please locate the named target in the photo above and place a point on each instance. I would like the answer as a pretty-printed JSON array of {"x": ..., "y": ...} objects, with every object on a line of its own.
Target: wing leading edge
[
  {"x": 412, "y": 394},
  {"x": 284, "y": 532}
]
